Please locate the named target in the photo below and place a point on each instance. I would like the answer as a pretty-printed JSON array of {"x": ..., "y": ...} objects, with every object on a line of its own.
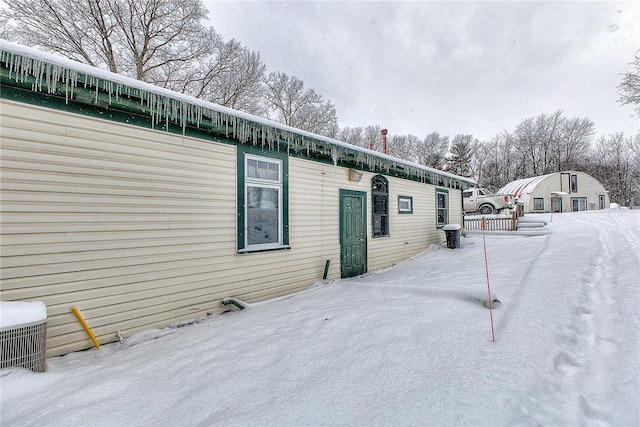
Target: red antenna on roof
[{"x": 384, "y": 140}]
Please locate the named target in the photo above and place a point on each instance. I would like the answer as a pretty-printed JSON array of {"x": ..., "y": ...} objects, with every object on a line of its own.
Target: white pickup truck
[{"x": 482, "y": 201}]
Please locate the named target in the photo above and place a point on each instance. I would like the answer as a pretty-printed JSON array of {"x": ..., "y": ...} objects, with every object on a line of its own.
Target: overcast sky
[{"x": 453, "y": 67}]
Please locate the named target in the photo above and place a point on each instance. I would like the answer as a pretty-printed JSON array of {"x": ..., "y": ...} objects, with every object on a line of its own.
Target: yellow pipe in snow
[{"x": 86, "y": 327}]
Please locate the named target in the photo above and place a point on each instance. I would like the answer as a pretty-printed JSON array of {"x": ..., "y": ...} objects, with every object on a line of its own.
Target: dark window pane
[
  {"x": 379, "y": 204},
  {"x": 380, "y": 225},
  {"x": 574, "y": 183},
  {"x": 262, "y": 215}
]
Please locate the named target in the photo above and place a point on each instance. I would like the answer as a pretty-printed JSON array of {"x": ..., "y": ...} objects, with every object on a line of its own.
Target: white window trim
[
  {"x": 573, "y": 183},
  {"x": 541, "y": 202},
  {"x": 446, "y": 201},
  {"x": 578, "y": 201},
  {"x": 263, "y": 183},
  {"x": 409, "y": 202}
]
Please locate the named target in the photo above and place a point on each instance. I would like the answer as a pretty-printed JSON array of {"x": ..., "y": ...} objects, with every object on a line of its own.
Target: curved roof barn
[
  {"x": 522, "y": 189},
  {"x": 564, "y": 191}
]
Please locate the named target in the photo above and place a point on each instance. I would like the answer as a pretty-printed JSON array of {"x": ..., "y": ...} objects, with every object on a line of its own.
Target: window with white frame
[
  {"x": 578, "y": 204},
  {"x": 574, "y": 183},
  {"x": 263, "y": 214},
  {"x": 442, "y": 207},
  {"x": 538, "y": 204},
  {"x": 405, "y": 204}
]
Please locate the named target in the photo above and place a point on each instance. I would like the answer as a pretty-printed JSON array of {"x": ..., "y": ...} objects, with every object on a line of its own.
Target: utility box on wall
[{"x": 23, "y": 335}]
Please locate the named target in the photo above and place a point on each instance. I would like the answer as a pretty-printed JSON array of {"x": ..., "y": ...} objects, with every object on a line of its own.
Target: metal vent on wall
[{"x": 24, "y": 346}]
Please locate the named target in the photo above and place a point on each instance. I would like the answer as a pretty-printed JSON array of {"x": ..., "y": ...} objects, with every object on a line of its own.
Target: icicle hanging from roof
[
  {"x": 166, "y": 108},
  {"x": 335, "y": 155}
]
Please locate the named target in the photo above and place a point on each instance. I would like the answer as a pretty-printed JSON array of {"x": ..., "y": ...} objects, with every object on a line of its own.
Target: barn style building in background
[{"x": 568, "y": 191}]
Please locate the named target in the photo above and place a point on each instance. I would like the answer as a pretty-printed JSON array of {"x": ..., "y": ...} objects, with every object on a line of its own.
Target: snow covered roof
[
  {"x": 523, "y": 188},
  {"x": 55, "y": 75}
]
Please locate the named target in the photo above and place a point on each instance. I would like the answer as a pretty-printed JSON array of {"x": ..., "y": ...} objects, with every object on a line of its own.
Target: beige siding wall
[
  {"x": 131, "y": 226},
  {"x": 408, "y": 233},
  {"x": 315, "y": 218},
  {"x": 455, "y": 207},
  {"x": 137, "y": 228}
]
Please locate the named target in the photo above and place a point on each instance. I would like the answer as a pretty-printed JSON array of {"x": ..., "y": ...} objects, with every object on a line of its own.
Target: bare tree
[
  {"x": 550, "y": 143},
  {"x": 573, "y": 144},
  {"x": 144, "y": 39},
  {"x": 524, "y": 141},
  {"x": 629, "y": 89},
  {"x": 232, "y": 78},
  {"x": 413, "y": 142},
  {"x": 615, "y": 164},
  {"x": 159, "y": 33},
  {"x": 82, "y": 31},
  {"x": 353, "y": 136},
  {"x": 432, "y": 150},
  {"x": 332, "y": 130},
  {"x": 402, "y": 146},
  {"x": 293, "y": 105},
  {"x": 193, "y": 76},
  {"x": 496, "y": 162},
  {"x": 373, "y": 137},
  {"x": 548, "y": 129},
  {"x": 241, "y": 86},
  {"x": 535, "y": 139},
  {"x": 285, "y": 97},
  {"x": 158, "y": 41},
  {"x": 6, "y": 29},
  {"x": 634, "y": 146}
]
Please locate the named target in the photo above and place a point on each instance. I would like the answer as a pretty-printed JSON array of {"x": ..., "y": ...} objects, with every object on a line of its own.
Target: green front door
[{"x": 353, "y": 233}]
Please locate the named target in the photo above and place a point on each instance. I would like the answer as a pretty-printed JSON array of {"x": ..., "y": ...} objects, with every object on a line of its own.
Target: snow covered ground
[{"x": 410, "y": 345}]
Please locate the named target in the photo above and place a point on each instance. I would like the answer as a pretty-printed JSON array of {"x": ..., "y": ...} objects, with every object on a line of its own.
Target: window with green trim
[
  {"x": 405, "y": 204},
  {"x": 262, "y": 202},
  {"x": 442, "y": 207},
  {"x": 380, "y": 205}
]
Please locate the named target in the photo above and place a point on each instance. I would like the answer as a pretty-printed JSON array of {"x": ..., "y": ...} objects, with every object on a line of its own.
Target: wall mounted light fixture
[{"x": 355, "y": 175}]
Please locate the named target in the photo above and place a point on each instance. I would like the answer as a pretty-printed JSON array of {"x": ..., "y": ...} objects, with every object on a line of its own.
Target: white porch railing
[{"x": 491, "y": 222}]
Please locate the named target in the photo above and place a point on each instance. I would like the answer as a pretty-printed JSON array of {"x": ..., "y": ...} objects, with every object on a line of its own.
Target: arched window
[{"x": 380, "y": 204}]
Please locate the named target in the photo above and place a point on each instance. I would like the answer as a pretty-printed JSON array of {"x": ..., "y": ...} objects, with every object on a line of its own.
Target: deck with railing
[{"x": 491, "y": 222}]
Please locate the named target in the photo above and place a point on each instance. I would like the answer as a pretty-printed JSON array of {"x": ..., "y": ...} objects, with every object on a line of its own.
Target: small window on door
[{"x": 380, "y": 196}]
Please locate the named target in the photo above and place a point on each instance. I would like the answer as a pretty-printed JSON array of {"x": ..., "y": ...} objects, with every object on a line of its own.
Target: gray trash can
[{"x": 452, "y": 231}]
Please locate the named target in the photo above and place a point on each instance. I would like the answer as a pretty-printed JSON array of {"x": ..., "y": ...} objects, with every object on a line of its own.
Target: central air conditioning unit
[{"x": 23, "y": 335}]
